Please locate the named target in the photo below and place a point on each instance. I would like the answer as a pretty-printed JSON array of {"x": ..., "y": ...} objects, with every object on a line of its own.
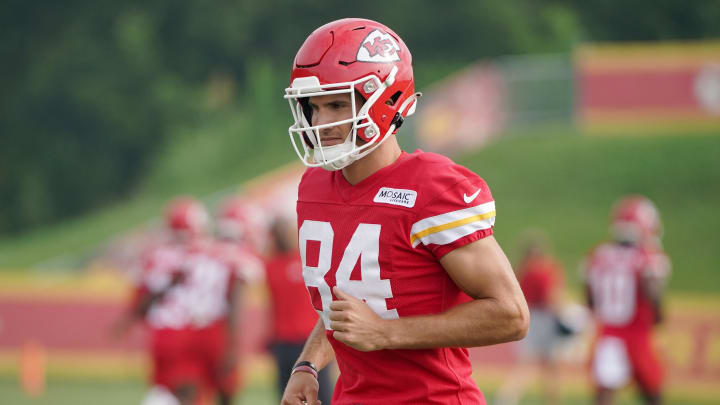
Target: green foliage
[
  {"x": 92, "y": 92},
  {"x": 646, "y": 20},
  {"x": 75, "y": 134}
]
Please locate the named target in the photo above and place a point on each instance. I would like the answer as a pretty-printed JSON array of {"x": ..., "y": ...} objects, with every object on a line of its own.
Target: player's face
[{"x": 329, "y": 109}]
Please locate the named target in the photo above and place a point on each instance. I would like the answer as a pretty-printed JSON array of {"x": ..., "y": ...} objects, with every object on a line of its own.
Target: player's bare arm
[
  {"x": 302, "y": 388},
  {"x": 652, "y": 286},
  {"x": 497, "y": 314},
  {"x": 141, "y": 307},
  {"x": 235, "y": 307},
  {"x": 588, "y": 297}
]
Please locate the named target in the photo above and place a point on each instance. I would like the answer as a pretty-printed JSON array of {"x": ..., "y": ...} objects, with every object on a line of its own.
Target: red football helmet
[
  {"x": 233, "y": 219},
  {"x": 186, "y": 215},
  {"x": 237, "y": 219},
  {"x": 353, "y": 56},
  {"x": 635, "y": 219}
]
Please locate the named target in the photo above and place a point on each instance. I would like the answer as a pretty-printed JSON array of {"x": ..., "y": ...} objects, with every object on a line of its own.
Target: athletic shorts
[
  {"x": 192, "y": 357},
  {"x": 618, "y": 360}
]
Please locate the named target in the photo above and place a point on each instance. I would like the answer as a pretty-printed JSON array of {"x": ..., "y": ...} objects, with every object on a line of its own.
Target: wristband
[
  {"x": 305, "y": 369},
  {"x": 305, "y": 363}
]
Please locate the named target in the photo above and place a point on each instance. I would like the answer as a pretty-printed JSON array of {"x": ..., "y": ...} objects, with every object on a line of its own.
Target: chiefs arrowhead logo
[{"x": 378, "y": 47}]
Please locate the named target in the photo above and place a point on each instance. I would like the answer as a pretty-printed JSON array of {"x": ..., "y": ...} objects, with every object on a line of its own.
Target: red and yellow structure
[{"x": 648, "y": 87}]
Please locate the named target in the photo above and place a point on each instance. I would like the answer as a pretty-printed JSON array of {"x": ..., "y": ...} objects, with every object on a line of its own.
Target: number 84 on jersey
[{"x": 364, "y": 245}]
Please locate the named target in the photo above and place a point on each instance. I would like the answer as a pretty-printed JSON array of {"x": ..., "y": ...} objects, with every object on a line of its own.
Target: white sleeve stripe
[
  {"x": 453, "y": 216},
  {"x": 451, "y": 225},
  {"x": 452, "y": 234}
]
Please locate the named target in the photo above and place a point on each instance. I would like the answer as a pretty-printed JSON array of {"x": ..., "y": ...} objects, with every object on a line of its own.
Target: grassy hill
[
  {"x": 229, "y": 147},
  {"x": 565, "y": 183},
  {"x": 553, "y": 179}
]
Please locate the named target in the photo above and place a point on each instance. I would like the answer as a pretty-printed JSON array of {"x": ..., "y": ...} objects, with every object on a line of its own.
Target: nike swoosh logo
[{"x": 469, "y": 199}]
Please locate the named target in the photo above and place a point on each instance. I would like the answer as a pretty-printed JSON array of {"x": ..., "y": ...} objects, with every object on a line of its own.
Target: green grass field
[{"x": 73, "y": 392}]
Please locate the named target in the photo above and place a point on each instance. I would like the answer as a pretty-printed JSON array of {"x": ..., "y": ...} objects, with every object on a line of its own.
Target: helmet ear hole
[{"x": 393, "y": 99}]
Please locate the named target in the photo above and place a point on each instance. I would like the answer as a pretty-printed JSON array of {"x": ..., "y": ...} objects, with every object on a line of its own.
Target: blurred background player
[
  {"x": 541, "y": 279},
  {"x": 186, "y": 294},
  {"x": 625, "y": 278},
  {"x": 243, "y": 228},
  {"x": 293, "y": 318},
  {"x": 154, "y": 301},
  {"x": 241, "y": 234}
]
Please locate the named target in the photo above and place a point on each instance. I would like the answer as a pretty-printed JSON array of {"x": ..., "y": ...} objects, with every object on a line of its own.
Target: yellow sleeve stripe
[{"x": 450, "y": 225}]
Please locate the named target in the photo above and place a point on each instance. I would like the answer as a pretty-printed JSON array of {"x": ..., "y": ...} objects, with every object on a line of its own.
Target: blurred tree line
[{"x": 91, "y": 90}]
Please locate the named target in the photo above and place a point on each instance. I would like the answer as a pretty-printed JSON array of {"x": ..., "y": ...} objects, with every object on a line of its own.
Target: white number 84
[{"x": 365, "y": 245}]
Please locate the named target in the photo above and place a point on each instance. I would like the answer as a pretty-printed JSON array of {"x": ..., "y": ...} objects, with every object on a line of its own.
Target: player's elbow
[{"x": 518, "y": 321}]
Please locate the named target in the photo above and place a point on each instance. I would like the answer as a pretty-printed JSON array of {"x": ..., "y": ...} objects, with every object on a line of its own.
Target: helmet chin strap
[{"x": 330, "y": 153}]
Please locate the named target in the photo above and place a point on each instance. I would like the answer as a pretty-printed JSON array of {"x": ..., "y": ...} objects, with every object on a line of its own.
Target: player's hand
[
  {"x": 302, "y": 389},
  {"x": 356, "y": 324}
]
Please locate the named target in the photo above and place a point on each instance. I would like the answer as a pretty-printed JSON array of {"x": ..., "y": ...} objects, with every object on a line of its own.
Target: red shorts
[
  {"x": 193, "y": 357},
  {"x": 617, "y": 360}
]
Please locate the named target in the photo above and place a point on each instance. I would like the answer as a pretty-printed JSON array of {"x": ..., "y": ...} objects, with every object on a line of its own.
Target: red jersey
[
  {"x": 293, "y": 316},
  {"x": 540, "y": 277},
  {"x": 160, "y": 267},
  {"x": 381, "y": 240},
  {"x": 615, "y": 274},
  {"x": 195, "y": 279}
]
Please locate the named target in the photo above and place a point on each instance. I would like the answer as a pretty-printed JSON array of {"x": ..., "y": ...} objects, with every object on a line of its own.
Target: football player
[
  {"x": 155, "y": 301},
  {"x": 242, "y": 226},
  {"x": 293, "y": 317},
  {"x": 185, "y": 294},
  {"x": 625, "y": 279},
  {"x": 541, "y": 279},
  {"x": 397, "y": 248},
  {"x": 234, "y": 250}
]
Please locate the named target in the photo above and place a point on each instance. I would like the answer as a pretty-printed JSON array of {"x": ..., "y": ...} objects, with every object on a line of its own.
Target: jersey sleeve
[
  {"x": 159, "y": 268},
  {"x": 457, "y": 215}
]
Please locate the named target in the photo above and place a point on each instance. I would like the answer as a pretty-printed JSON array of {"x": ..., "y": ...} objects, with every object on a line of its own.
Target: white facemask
[{"x": 335, "y": 157}]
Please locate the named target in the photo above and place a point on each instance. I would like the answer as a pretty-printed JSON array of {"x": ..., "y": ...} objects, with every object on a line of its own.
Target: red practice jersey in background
[
  {"x": 189, "y": 322},
  {"x": 541, "y": 276},
  {"x": 293, "y": 316},
  {"x": 160, "y": 267},
  {"x": 381, "y": 240},
  {"x": 615, "y": 274}
]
